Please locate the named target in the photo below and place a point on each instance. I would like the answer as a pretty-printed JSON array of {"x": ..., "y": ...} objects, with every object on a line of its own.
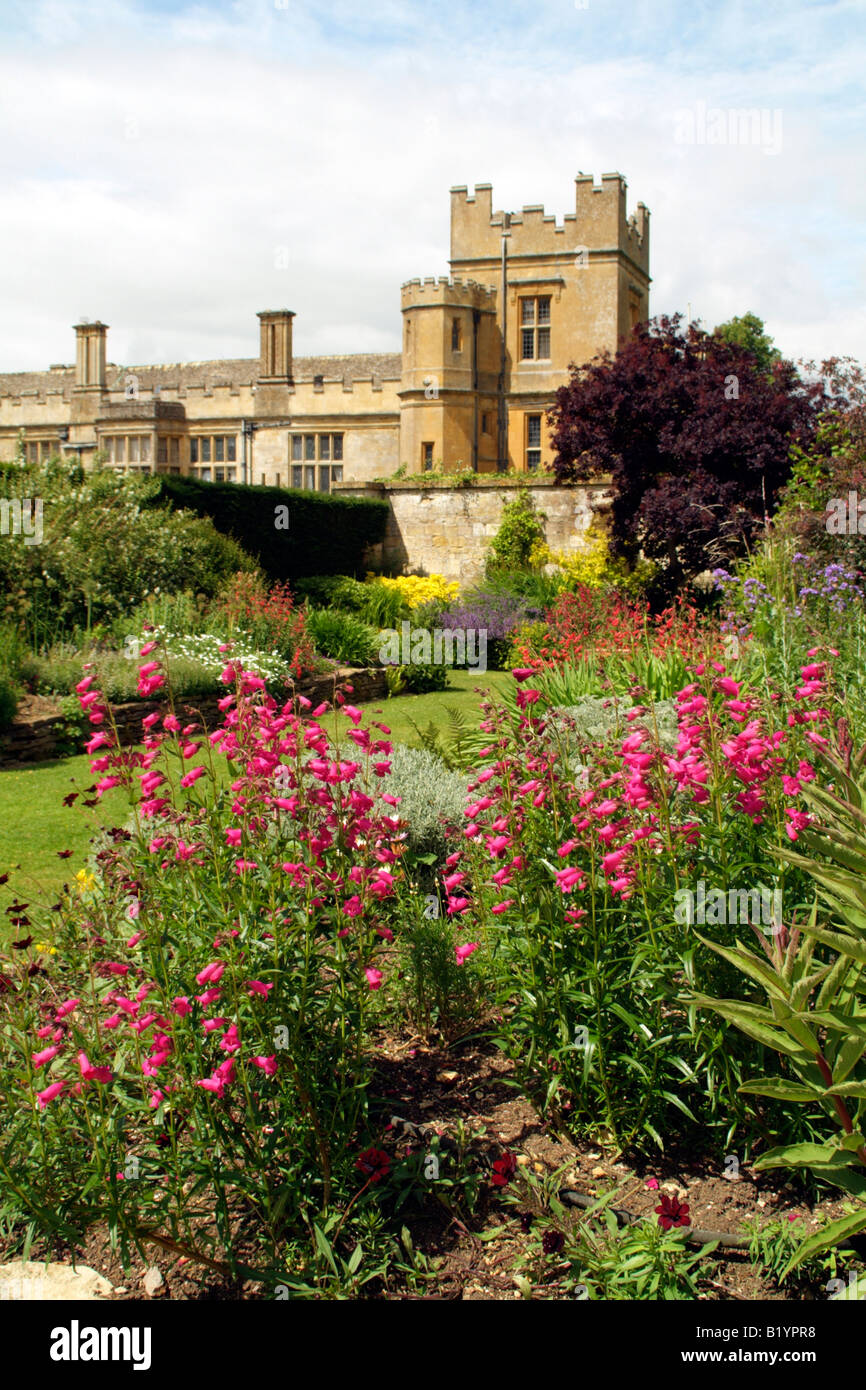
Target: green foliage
[
  {"x": 432, "y": 797},
  {"x": 8, "y": 702},
  {"x": 456, "y": 744},
  {"x": 326, "y": 534},
  {"x": 12, "y": 654},
  {"x": 598, "y": 1259},
  {"x": 773, "y": 1243},
  {"x": 436, "y": 992},
  {"x": 658, "y": 677},
  {"x": 748, "y": 332},
  {"x": 106, "y": 545},
  {"x": 372, "y": 602},
  {"x": 341, "y": 636},
  {"x": 421, "y": 677},
  {"x": 814, "y": 979},
  {"x": 521, "y": 530},
  {"x": 331, "y": 591}
]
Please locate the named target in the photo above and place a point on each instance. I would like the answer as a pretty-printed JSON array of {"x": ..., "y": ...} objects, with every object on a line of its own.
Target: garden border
[{"x": 41, "y": 739}]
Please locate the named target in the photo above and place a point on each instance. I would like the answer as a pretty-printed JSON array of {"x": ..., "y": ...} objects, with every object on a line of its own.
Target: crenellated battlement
[
  {"x": 451, "y": 291},
  {"x": 598, "y": 223}
]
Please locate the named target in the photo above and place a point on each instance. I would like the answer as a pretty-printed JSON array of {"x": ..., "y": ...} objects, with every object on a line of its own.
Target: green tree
[
  {"x": 748, "y": 332},
  {"x": 521, "y": 529}
]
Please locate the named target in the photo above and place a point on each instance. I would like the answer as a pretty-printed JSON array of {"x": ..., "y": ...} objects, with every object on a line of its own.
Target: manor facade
[{"x": 483, "y": 351}]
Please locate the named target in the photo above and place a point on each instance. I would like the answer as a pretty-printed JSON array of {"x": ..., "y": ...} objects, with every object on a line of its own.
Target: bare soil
[{"x": 426, "y": 1090}]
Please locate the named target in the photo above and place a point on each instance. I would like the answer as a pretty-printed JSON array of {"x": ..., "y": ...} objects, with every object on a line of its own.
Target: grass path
[{"x": 35, "y": 825}]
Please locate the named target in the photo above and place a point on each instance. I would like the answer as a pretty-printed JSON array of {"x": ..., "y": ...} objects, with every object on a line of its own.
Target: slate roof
[{"x": 230, "y": 371}]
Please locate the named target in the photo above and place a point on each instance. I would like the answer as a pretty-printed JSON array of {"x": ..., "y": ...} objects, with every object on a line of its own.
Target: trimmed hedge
[{"x": 325, "y": 535}]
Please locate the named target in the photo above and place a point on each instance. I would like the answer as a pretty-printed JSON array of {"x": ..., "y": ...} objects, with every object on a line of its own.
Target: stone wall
[
  {"x": 36, "y": 740},
  {"x": 443, "y": 529}
]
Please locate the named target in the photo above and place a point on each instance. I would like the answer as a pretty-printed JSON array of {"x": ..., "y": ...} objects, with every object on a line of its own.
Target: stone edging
[{"x": 33, "y": 741}]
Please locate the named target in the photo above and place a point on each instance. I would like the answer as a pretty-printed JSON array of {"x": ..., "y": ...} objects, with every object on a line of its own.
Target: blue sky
[{"x": 172, "y": 168}]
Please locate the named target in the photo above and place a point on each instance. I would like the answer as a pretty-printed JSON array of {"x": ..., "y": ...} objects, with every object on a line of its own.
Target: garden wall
[
  {"x": 442, "y": 528},
  {"x": 36, "y": 740}
]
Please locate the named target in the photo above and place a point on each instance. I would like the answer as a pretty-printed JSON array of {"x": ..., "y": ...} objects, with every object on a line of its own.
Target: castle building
[{"x": 483, "y": 351}]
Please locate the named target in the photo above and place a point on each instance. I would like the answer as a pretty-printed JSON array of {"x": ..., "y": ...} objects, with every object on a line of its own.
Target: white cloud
[{"x": 174, "y": 169}]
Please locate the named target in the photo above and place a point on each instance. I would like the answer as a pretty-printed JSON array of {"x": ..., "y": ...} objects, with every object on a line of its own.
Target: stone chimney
[
  {"x": 275, "y": 356},
  {"x": 90, "y": 356}
]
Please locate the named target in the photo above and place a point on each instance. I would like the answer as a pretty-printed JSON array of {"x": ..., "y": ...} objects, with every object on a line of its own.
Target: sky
[{"x": 172, "y": 168}]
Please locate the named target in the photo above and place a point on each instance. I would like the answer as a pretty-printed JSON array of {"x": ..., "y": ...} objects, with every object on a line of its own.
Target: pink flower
[
  {"x": 39, "y": 1059},
  {"x": 267, "y": 1064},
  {"x": 181, "y": 1006},
  {"x": 257, "y": 987},
  {"x": 193, "y": 776},
  {"x": 50, "y": 1093},
  {"x": 497, "y": 845},
  {"x": 101, "y": 1074},
  {"x": 522, "y": 673},
  {"x": 134, "y": 939},
  {"x": 374, "y": 977},
  {"x": 66, "y": 1008},
  {"x": 502, "y": 907},
  {"x": 233, "y": 836},
  {"x": 212, "y": 974},
  {"x": 464, "y": 952},
  {"x": 652, "y": 1184},
  {"x": 456, "y": 906}
]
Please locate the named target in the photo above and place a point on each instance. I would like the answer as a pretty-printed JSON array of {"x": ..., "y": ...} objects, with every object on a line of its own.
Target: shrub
[
  {"x": 268, "y": 618},
  {"x": 8, "y": 701},
  {"x": 327, "y": 534},
  {"x": 436, "y": 989},
  {"x": 341, "y": 636},
  {"x": 331, "y": 591},
  {"x": 693, "y": 467},
  {"x": 493, "y": 612},
  {"x": 420, "y": 678},
  {"x": 106, "y": 545},
  {"x": 521, "y": 530},
  {"x": 415, "y": 590},
  {"x": 582, "y": 921},
  {"x": 209, "y": 997},
  {"x": 431, "y": 795}
]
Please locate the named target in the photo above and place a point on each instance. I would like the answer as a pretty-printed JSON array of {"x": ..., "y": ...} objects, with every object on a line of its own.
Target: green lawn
[
  {"x": 461, "y": 695},
  {"x": 35, "y": 825}
]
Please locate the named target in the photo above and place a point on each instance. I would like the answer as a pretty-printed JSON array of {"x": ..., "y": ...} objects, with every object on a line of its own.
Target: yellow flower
[
  {"x": 44, "y": 946},
  {"x": 419, "y": 589},
  {"x": 84, "y": 880}
]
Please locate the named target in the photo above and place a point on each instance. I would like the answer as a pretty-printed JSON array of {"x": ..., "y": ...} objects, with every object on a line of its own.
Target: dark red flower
[
  {"x": 21, "y": 945},
  {"x": 64, "y": 853},
  {"x": 504, "y": 1169},
  {"x": 68, "y": 800},
  {"x": 375, "y": 1163},
  {"x": 526, "y": 1220},
  {"x": 672, "y": 1212},
  {"x": 552, "y": 1242}
]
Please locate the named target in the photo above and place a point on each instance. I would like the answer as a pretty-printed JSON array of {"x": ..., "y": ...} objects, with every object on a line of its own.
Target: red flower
[
  {"x": 672, "y": 1212},
  {"x": 504, "y": 1169},
  {"x": 375, "y": 1163},
  {"x": 552, "y": 1242}
]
